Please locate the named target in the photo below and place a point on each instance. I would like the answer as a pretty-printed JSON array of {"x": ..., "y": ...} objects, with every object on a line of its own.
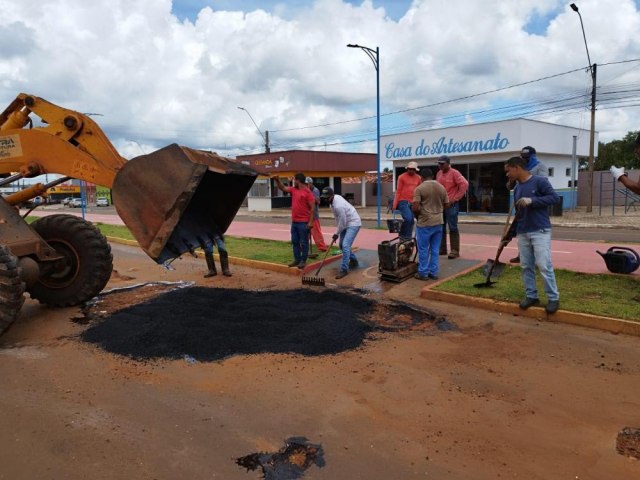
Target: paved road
[
  {"x": 591, "y": 234},
  {"x": 578, "y": 253}
]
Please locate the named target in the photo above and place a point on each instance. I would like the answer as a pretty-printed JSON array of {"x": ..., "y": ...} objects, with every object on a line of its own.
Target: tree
[{"x": 618, "y": 153}]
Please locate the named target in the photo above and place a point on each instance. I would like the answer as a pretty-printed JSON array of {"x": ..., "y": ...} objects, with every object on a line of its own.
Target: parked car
[
  {"x": 76, "y": 203},
  {"x": 102, "y": 202},
  {"x": 67, "y": 200}
]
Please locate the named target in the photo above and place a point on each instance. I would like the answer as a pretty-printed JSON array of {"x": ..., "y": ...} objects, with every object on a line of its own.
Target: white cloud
[{"x": 157, "y": 79}]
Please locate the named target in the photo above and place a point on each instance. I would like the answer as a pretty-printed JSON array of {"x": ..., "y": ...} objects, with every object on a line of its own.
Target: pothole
[
  {"x": 288, "y": 463},
  {"x": 210, "y": 324}
]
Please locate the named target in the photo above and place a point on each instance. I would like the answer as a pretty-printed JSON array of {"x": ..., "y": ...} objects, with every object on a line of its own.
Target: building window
[
  {"x": 567, "y": 172},
  {"x": 551, "y": 171}
]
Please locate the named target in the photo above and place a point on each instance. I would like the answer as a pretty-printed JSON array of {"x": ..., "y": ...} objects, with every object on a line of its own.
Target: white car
[
  {"x": 102, "y": 202},
  {"x": 75, "y": 203}
]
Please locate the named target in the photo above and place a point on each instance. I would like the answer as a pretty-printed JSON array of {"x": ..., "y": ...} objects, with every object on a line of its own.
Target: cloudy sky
[{"x": 163, "y": 71}]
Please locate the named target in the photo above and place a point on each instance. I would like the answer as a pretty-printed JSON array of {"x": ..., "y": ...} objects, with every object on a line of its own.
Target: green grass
[
  {"x": 272, "y": 251},
  {"x": 615, "y": 296},
  {"x": 117, "y": 231}
]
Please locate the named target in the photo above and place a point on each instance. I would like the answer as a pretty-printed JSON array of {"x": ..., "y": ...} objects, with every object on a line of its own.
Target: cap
[
  {"x": 444, "y": 159},
  {"x": 528, "y": 151},
  {"x": 326, "y": 192},
  {"x": 413, "y": 165},
  {"x": 308, "y": 180}
]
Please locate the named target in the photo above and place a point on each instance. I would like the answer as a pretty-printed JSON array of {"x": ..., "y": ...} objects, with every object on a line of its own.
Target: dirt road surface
[{"x": 501, "y": 397}]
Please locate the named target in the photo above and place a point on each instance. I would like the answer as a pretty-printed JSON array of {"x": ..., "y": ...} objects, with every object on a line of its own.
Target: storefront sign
[{"x": 445, "y": 146}]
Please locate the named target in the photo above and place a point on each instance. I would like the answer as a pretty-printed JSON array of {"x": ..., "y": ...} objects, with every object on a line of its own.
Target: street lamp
[
  {"x": 592, "y": 134},
  {"x": 266, "y": 139},
  {"x": 374, "y": 55}
]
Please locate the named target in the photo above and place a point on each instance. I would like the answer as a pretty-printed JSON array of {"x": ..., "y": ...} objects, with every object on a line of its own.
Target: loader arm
[
  {"x": 173, "y": 201},
  {"x": 70, "y": 143}
]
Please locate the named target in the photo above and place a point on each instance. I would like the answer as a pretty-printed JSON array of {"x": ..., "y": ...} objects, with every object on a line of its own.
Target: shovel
[
  {"x": 315, "y": 279},
  {"x": 311, "y": 254},
  {"x": 494, "y": 267}
]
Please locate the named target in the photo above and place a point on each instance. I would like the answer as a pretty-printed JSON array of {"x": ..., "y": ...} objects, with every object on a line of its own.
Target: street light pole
[
  {"x": 374, "y": 55},
  {"x": 266, "y": 139},
  {"x": 592, "y": 134}
]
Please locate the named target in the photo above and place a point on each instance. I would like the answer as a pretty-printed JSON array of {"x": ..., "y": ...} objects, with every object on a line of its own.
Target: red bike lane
[
  {"x": 569, "y": 255},
  {"x": 577, "y": 256}
]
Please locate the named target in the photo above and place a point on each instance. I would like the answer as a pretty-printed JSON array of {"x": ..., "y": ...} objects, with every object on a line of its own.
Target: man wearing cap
[
  {"x": 534, "y": 167},
  {"x": 456, "y": 186},
  {"x": 348, "y": 225},
  {"x": 403, "y": 199},
  {"x": 620, "y": 175},
  {"x": 316, "y": 231},
  {"x": 429, "y": 201},
  {"x": 302, "y": 205}
]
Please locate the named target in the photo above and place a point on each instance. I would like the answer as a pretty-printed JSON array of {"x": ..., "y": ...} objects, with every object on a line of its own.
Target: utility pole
[
  {"x": 267, "y": 149},
  {"x": 592, "y": 134},
  {"x": 592, "y": 137}
]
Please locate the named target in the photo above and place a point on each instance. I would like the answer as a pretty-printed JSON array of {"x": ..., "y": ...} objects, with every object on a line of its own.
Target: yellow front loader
[{"x": 173, "y": 201}]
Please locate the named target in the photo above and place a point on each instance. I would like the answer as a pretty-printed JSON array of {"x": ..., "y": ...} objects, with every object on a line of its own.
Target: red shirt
[
  {"x": 454, "y": 183},
  {"x": 302, "y": 204},
  {"x": 406, "y": 186}
]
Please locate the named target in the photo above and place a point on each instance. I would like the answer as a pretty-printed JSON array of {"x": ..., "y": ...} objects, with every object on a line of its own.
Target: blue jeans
[
  {"x": 208, "y": 246},
  {"x": 428, "y": 239},
  {"x": 406, "y": 230},
  {"x": 300, "y": 240},
  {"x": 347, "y": 236},
  {"x": 451, "y": 217},
  {"x": 535, "y": 250}
]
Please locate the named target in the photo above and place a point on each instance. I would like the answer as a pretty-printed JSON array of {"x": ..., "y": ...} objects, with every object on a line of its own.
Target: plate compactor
[{"x": 397, "y": 257}]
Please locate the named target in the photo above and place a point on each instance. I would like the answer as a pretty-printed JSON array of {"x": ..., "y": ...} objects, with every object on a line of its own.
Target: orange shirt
[{"x": 406, "y": 186}]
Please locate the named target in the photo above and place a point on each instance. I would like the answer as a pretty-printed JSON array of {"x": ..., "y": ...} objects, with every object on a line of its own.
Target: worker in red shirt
[
  {"x": 302, "y": 205},
  {"x": 456, "y": 186},
  {"x": 403, "y": 200}
]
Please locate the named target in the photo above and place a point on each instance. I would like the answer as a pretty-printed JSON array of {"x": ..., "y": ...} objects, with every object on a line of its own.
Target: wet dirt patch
[
  {"x": 210, "y": 324},
  {"x": 288, "y": 463}
]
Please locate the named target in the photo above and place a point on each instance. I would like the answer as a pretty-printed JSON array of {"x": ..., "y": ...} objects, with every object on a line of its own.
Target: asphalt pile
[
  {"x": 210, "y": 324},
  {"x": 288, "y": 463}
]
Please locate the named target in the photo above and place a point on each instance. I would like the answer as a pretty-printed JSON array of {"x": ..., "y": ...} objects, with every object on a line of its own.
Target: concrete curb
[
  {"x": 608, "y": 324},
  {"x": 274, "y": 267},
  {"x": 613, "y": 325}
]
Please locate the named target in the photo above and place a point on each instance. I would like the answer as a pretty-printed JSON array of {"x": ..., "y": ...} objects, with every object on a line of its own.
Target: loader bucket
[{"x": 175, "y": 199}]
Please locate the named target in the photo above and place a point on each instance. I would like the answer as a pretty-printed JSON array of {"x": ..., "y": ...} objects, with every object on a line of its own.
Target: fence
[{"x": 608, "y": 193}]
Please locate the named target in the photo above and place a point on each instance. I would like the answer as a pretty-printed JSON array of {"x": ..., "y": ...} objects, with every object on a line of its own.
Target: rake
[{"x": 315, "y": 280}]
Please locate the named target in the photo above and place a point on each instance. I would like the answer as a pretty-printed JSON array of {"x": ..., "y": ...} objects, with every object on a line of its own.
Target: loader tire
[
  {"x": 11, "y": 288},
  {"x": 87, "y": 263}
]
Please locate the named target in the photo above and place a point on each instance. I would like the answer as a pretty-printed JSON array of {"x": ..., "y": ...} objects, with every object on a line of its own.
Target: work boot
[
  {"x": 443, "y": 243},
  {"x": 211, "y": 265},
  {"x": 224, "y": 263},
  {"x": 515, "y": 259},
  {"x": 454, "y": 238},
  {"x": 295, "y": 263}
]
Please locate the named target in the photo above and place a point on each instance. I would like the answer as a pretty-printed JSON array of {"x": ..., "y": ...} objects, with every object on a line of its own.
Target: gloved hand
[
  {"x": 335, "y": 237},
  {"x": 617, "y": 172},
  {"x": 524, "y": 202}
]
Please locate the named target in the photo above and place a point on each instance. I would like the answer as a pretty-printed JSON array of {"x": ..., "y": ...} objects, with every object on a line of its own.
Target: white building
[{"x": 479, "y": 152}]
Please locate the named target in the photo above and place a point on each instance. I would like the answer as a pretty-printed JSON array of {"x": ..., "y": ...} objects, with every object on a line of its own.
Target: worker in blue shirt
[{"x": 533, "y": 195}]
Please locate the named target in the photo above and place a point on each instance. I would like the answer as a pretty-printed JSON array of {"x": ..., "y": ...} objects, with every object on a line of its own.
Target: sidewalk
[
  {"x": 579, "y": 256},
  {"x": 598, "y": 218}
]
